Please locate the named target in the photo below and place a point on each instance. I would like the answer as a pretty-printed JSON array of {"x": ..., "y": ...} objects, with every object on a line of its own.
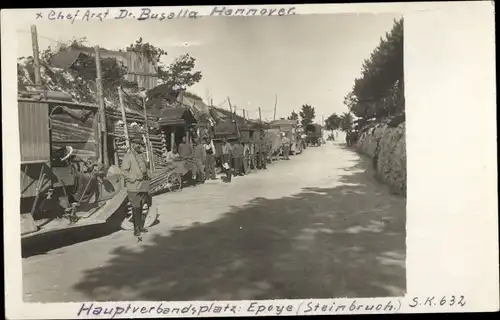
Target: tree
[
  {"x": 333, "y": 122},
  {"x": 307, "y": 114},
  {"x": 179, "y": 75},
  {"x": 379, "y": 91},
  {"x": 293, "y": 116},
  {"x": 346, "y": 121}
]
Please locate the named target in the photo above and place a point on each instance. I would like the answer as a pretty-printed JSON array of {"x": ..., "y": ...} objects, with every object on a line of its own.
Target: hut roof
[
  {"x": 225, "y": 127},
  {"x": 284, "y": 122},
  {"x": 199, "y": 106},
  {"x": 176, "y": 116}
]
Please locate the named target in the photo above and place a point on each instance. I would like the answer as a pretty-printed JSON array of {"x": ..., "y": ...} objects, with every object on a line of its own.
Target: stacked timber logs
[
  {"x": 62, "y": 130},
  {"x": 115, "y": 115},
  {"x": 135, "y": 131},
  {"x": 79, "y": 137},
  {"x": 164, "y": 148}
]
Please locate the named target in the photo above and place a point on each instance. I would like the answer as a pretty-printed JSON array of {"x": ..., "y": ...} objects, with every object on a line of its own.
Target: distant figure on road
[
  {"x": 137, "y": 183},
  {"x": 285, "y": 142},
  {"x": 200, "y": 156},
  {"x": 348, "y": 138},
  {"x": 210, "y": 160},
  {"x": 351, "y": 137},
  {"x": 227, "y": 151}
]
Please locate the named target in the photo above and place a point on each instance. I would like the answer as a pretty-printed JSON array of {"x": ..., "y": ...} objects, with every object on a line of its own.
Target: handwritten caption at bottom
[
  {"x": 236, "y": 308},
  {"x": 156, "y": 14}
]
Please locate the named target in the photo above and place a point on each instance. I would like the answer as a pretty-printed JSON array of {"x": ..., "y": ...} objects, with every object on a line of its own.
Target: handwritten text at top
[{"x": 156, "y": 14}]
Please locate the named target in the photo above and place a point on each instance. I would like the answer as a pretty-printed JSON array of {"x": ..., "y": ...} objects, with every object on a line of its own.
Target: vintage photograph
[{"x": 212, "y": 158}]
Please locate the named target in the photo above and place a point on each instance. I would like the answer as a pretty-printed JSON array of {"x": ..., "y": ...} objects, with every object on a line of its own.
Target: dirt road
[{"x": 317, "y": 226}]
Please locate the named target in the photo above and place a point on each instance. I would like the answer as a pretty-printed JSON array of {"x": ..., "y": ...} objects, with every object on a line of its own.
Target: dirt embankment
[{"x": 386, "y": 145}]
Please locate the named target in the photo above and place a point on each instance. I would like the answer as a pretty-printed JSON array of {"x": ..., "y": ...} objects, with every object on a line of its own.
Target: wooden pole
[
  {"x": 36, "y": 57},
  {"x": 148, "y": 147},
  {"x": 260, "y": 116},
  {"x": 230, "y": 108},
  {"x": 172, "y": 141},
  {"x": 103, "y": 138},
  {"x": 275, "y": 103},
  {"x": 233, "y": 117},
  {"x": 244, "y": 116},
  {"x": 124, "y": 117},
  {"x": 115, "y": 153}
]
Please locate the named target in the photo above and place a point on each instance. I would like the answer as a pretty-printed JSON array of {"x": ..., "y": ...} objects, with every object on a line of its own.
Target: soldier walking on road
[{"x": 137, "y": 183}]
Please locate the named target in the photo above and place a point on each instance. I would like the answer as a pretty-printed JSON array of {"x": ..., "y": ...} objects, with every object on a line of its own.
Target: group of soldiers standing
[{"x": 200, "y": 158}]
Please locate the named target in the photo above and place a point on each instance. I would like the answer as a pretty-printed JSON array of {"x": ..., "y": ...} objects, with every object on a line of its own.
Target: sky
[{"x": 303, "y": 59}]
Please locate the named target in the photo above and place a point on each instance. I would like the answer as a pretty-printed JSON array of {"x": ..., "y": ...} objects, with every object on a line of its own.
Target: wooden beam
[
  {"x": 233, "y": 117},
  {"x": 92, "y": 107},
  {"x": 124, "y": 117},
  {"x": 148, "y": 146},
  {"x": 36, "y": 57},
  {"x": 275, "y": 103},
  {"x": 103, "y": 138}
]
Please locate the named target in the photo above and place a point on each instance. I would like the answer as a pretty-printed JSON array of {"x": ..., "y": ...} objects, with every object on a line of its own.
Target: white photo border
[{"x": 452, "y": 211}]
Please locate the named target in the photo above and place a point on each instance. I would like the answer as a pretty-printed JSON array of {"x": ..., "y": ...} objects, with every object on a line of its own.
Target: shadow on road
[
  {"x": 347, "y": 241},
  {"x": 43, "y": 243}
]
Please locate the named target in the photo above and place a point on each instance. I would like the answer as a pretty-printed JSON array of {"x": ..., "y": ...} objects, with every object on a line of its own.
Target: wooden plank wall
[
  {"x": 137, "y": 62},
  {"x": 34, "y": 131}
]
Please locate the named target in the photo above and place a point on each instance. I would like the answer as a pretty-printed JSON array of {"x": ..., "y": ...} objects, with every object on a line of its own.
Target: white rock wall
[{"x": 387, "y": 146}]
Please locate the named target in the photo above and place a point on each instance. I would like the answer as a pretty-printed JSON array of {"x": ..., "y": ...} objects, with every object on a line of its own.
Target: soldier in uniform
[
  {"x": 210, "y": 160},
  {"x": 227, "y": 151},
  {"x": 137, "y": 183},
  {"x": 285, "y": 141},
  {"x": 200, "y": 156},
  {"x": 238, "y": 159},
  {"x": 263, "y": 150}
]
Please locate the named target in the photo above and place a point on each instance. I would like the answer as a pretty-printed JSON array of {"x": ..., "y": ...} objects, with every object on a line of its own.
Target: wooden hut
[{"x": 176, "y": 123}]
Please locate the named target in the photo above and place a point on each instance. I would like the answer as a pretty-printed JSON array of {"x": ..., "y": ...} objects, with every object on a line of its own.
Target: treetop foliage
[
  {"x": 379, "y": 91},
  {"x": 293, "y": 116},
  {"x": 307, "y": 113}
]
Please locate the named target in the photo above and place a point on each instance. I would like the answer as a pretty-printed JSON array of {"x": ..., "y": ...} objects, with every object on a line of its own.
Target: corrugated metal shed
[{"x": 34, "y": 132}]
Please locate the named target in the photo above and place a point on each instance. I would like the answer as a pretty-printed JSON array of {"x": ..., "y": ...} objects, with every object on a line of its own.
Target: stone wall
[{"x": 386, "y": 145}]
